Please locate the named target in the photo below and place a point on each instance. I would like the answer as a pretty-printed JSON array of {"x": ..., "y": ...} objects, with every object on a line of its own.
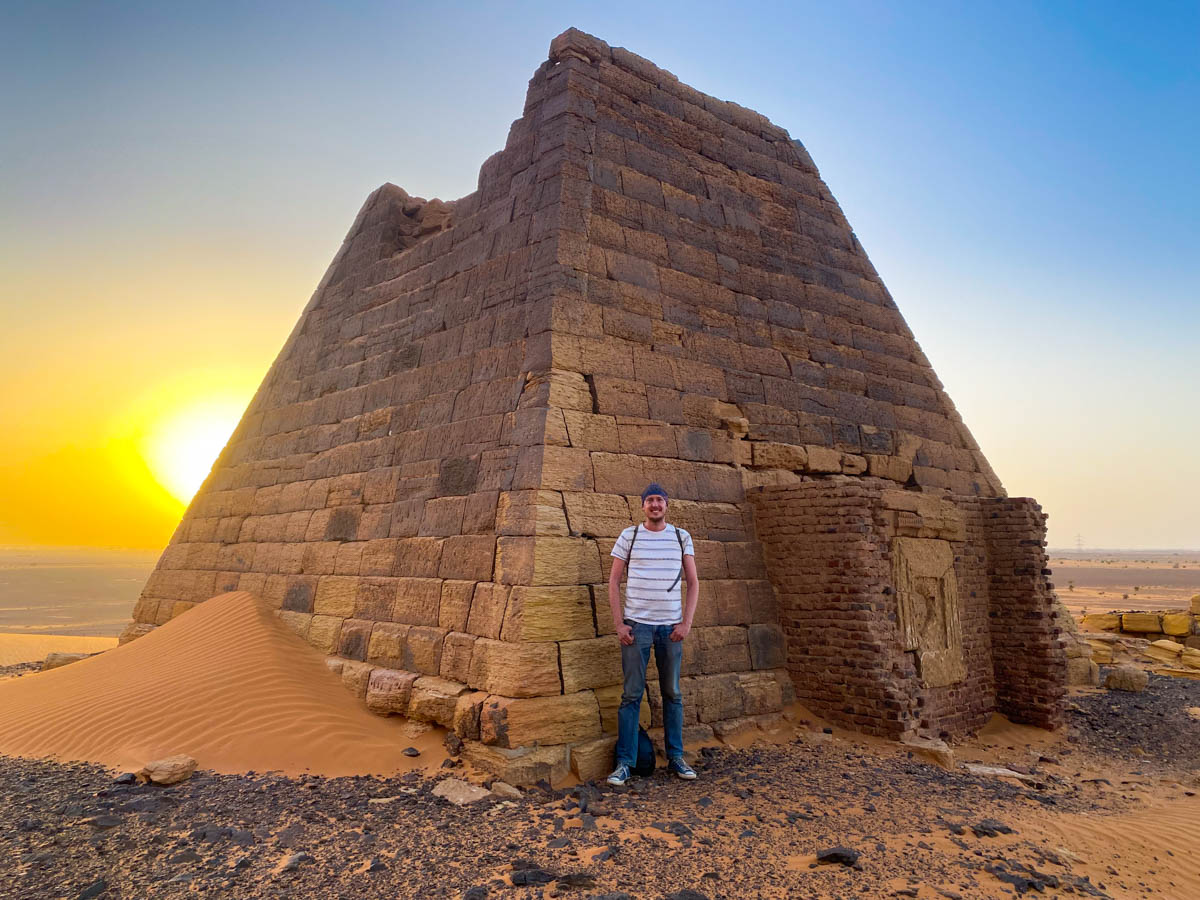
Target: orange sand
[
  {"x": 23, "y": 648},
  {"x": 226, "y": 683}
]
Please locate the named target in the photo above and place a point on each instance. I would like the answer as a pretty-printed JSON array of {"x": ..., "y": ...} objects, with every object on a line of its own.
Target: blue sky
[{"x": 1023, "y": 176}]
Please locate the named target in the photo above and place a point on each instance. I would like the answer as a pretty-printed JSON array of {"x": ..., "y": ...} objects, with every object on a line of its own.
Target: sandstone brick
[
  {"x": 434, "y": 699},
  {"x": 546, "y": 561},
  {"x": 386, "y": 644},
  {"x": 548, "y": 614},
  {"x": 466, "y": 714},
  {"x": 722, "y": 649},
  {"x": 531, "y": 513},
  {"x": 605, "y": 515},
  {"x": 1141, "y": 622},
  {"x": 589, "y": 431},
  {"x": 1177, "y": 624},
  {"x": 590, "y": 663},
  {"x": 488, "y": 607},
  {"x": 336, "y": 595},
  {"x": 1101, "y": 622},
  {"x": 594, "y": 759},
  {"x": 325, "y": 633},
  {"x": 468, "y": 557},
  {"x": 563, "y": 719},
  {"x": 388, "y": 691},
  {"x": 515, "y": 670},
  {"x": 454, "y": 606},
  {"x": 356, "y": 676},
  {"x": 609, "y": 700},
  {"x": 522, "y": 766},
  {"x": 823, "y": 459},
  {"x": 775, "y": 455},
  {"x": 423, "y": 649},
  {"x": 457, "y": 648}
]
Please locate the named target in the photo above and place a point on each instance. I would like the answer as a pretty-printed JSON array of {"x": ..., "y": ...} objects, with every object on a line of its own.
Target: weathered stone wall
[
  {"x": 648, "y": 284},
  {"x": 834, "y": 548},
  {"x": 1030, "y": 663}
]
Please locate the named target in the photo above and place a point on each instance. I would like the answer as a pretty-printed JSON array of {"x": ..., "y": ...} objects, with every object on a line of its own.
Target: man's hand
[
  {"x": 680, "y": 631},
  {"x": 625, "y": 634}
]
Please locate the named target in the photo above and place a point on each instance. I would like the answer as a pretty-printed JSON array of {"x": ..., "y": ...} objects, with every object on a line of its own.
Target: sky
[{"x": 174, "y": 179}]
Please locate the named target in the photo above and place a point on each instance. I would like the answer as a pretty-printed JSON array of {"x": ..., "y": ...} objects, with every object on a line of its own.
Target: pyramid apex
[{"x": 576, "y": 44}]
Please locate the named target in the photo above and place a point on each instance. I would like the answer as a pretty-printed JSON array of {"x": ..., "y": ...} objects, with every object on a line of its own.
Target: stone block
[
  {"x": 386, "y": 646},
  {"x": 891, "y": 467},
  {"x": 356, "y": 634},
  {"x": 590, "y": 663},
  {"x": 1190, "y": 657},
  {"x": 592, "y": 432},
  {"x": 1164, "y": 651},
  {"x": 1102, "y": 652},
  {"x": 761, "y": 693},
  {"x": 488, "y": 607},
  {"x": 356, "y": 676},
  {"x": 325, "y": 633},
  {"x": 1141, "y": 623},
  {"x": 566, "y": 469},
  {"x": 548, "y": 614},
  {"x": 455, "y": 605},
  {"x": 1101, "y": 622},
  {"x": 1195, "y": 605},
  {"x": 417, "y": 601},
  {"x": 515, "y": 670},
  {"x": 457, "y": 648},
  {"x": 1082, "y": 671},
  {"x": 467, "y": 710},
  {"x": 296, "y": 622},
  {"x": 388, "y": 691},
  {"x": 721, "y": 648},
  {"x": 716, "y": 697},
  {"x": 418, "y": 557},
  {"x": 768, "y": 646},
  {"x": 1127, "y": 678},
  {"x": 602, "y": 515},
  {"x": 561, "y": 719},
  {"x": 524, "y": 766},
  {"x": 336, "y": 595},
  {"x": 823, "y": 460},
  {"x": 423, "y": 649},
  {"x": 547, "y": 561},
  {"x": 776, "y": 455},
  {"x": 531, "y": 513},
  {"x": 433, "y": 699},
  {"x": 594, "y": 759},
  {"x": 468, "y": 557},
  {"x": 1177, "y": 624}
]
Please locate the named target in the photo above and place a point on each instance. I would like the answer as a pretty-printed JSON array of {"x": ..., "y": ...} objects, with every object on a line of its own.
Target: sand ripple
[{"x": 226, "y": 683}]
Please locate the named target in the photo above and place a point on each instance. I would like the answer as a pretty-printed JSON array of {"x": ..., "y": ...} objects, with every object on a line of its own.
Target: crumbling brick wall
[{"x": 1030, "y": 662}]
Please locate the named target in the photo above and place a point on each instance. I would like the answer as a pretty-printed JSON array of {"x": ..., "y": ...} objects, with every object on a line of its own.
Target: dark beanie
[{"x": 654, "y": 488}]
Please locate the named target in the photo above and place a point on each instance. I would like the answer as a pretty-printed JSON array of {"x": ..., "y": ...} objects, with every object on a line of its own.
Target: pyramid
[{"x": 648, "y": 284}]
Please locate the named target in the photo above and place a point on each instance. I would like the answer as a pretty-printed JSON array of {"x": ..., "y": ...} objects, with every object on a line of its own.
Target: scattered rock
[
  {"x": 102, "y": 822},
  {"x": 95, "y": 889},
  {"x": 937, "y": 752},
  {"x": 411, "y": 751},
  {"x": 376, "y": 865},
  {"x": 478, "y": 892},
  {"x": 296, "y": 860},
  {"x": 125, "y": 778},
  {"x": 460, "y": 793},
  {"x": 532, "y": 876},
  {"x": 843, "y": 856},
  {"x": 1127, "y": 678},
  {"x": 990, "y": 828},
  {"x": 685, "y": 894},
  {"x": 171, "y": 770},
  {"x": 505, "y": 791},
  {"x": 1164, "y": 651},
  {"x": 57, "y": 660}
]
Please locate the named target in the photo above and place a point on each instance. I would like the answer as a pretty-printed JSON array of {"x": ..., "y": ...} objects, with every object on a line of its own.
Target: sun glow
[{"x": 181, "y": 448}]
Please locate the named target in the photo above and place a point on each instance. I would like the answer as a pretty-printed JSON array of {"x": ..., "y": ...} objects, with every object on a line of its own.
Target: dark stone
[
  {"x": 990, "y": 828},
  {"x": 478, "y": 892},
  {"x": 532, "y": 876},
  {"x": 840, "y": 855},
  {"x": 458, "y": 475},
  {"x": 411, "y": 751},
  {"x": 376, "y": 865},
  {"x": 95, "y": 889},
  {"x": 576, "y": 880},
  {"x": 454, "y": 744},
  {"x": 299, "y": 595},
  {"x": 685, "y": 894},
  {"x": 184, "y": 856},
  {"x": 125, "y": 778},
  {"x": 343, "y": 523}
]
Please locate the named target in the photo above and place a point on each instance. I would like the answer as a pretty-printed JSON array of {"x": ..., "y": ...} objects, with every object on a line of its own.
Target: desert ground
[
  {"x": 1103, "y": 580},
  {"x": 300, "y": 792}
]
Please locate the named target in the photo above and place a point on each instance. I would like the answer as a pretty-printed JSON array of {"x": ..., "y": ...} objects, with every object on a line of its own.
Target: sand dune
[
  {"x": 226, "y": 683},
  {"x": 22, "y": 648}
]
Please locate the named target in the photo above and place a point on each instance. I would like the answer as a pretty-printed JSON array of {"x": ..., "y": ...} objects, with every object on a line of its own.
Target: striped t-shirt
[{"x": 656, "y": 564}]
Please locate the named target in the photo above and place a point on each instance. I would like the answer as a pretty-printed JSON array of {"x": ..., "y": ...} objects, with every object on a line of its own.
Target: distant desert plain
[{"x": 300, "y": 791}]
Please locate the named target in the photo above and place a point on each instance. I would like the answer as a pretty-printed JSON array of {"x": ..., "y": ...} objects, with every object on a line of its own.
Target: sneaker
[
  {"x": 682, "y": 769},
  {"x": 620, "y": 775}
]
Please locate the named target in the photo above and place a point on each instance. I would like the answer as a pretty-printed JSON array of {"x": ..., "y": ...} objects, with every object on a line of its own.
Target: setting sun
[{"x": 180, "y": 449}]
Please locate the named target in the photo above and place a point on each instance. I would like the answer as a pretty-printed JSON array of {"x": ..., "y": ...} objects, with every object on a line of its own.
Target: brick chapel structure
[{"x": 648, "y": 284}]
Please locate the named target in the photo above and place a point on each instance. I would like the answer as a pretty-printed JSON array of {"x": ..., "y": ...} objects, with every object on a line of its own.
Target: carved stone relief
[{"x": 927, "y": 596}]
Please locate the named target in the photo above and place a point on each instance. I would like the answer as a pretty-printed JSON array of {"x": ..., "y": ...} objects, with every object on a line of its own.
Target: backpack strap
[
  {"x": 632, "y": 541},
  {"x": 679, "y": 537}
]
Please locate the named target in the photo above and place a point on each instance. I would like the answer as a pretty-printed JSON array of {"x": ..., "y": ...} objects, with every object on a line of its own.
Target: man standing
[{"x": 660, "y": 558}]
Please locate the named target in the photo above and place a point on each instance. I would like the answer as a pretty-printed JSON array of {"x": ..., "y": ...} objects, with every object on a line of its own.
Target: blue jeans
[{"x": 668, "y": 655}]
